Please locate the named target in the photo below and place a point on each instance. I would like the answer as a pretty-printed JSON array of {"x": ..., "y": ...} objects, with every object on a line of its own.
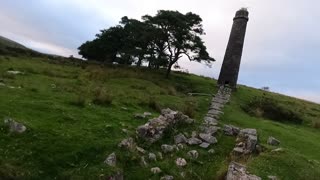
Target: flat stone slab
[
  {"x": 209, "y": 129},
  {"x": 204, "y": 145},
  {"x": 194, "y": 141},
  {"x": 208, "y": 138},
  {"x": 215, "y": 112}
]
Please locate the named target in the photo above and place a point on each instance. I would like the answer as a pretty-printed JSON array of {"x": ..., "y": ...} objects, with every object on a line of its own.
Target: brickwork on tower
[{"x": 231, "y": 63}]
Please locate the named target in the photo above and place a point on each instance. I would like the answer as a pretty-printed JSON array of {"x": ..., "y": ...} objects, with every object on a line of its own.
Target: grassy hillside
[
  {"x": 5, "y": 42},
  {"x": 70, "y": 134}
]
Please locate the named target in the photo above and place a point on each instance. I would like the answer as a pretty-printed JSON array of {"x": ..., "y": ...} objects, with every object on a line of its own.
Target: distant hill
[{"x": 5, "y": 42}]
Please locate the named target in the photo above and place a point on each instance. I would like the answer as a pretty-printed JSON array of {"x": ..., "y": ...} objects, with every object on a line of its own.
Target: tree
[{"x": 181, "y": 36}]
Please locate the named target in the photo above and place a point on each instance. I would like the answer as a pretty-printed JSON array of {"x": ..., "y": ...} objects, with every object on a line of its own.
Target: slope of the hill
[
  {"x": 76, "y": 116},
  {"x": 5, "y": 42}
]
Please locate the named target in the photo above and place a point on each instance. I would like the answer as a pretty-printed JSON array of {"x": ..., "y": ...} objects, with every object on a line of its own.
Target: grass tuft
[{"x": 102, "y": 97}]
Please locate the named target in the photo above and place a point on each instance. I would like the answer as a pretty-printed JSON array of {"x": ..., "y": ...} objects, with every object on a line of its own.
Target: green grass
[{"x": 69, "y": 136}]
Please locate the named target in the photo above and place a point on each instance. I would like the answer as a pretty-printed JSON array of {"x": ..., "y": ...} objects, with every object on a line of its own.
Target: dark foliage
[{"x": 158, "y": 41}]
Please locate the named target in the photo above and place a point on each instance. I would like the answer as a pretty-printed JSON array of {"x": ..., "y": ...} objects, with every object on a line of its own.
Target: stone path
[{"x": 210, "y": 122}]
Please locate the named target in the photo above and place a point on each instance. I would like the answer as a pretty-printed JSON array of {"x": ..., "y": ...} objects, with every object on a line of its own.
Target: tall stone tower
[{"x": 231, "y": 62}]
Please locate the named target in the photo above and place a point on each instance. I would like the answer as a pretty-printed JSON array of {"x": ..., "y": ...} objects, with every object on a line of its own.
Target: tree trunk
[{"x": 169, "y": 70}]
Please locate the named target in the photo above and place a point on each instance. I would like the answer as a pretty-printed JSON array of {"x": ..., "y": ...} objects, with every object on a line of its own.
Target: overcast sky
[{"x": 281, "y": 45}]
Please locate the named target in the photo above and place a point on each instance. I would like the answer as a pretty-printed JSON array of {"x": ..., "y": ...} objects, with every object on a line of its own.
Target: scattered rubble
[
  {"x": 193, "y": 154},
  {"x": 180, "y": 138},
  {"x": 153, "y": 130},
  {"x": 127, "y": 144},
  {"x": 272, "y": 177},
  {"x": 208, "y": 138},
  {"x": 111, "y": 160},
  {"x": 167, "y": 148},
  {"x": 140, "y": 150},
  {"x": 204, "y": 145},
  {"x": 167, "y": 177},
  {"x": 273, "y": 141},
  {"x": 14, "y": 126},
  {"x": 194, "y": 141},
  {"x": 231, "y": 130},
  {"x": 238, "y": 171},
  {"x": 211, "y": 151},
  {"x": 143, "y": 161},
  {"x": 156, "y": 170},
  {"x": 181, "y": 162},
  {"x": 152, "y": 157},
  {"x": 247, "y": 140}
]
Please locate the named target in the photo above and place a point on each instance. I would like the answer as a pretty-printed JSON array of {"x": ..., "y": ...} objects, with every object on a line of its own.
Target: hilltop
[{"x": 76, "y": 115}]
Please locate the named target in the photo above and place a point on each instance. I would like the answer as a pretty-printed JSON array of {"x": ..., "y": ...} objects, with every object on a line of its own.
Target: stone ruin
[{"x": 154, "y": 129}]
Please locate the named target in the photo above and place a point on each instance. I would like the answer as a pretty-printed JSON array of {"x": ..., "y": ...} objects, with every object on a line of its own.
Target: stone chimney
[{"x": 231, "y": 62}]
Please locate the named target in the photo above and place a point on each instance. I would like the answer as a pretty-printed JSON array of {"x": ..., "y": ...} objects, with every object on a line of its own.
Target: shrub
[
  {"x": 79, "y": 101},
  {"x": 153, "y": 104},
  {"x": 190, "y": 108},
  {"x": 269, "y": 108},
  {"x": 316, "y": 125},
  {"x": 102, "y": 97},
  {"x": 138, "y": 87},
  {"x": 8, "y": 75},
  {"x": 171, "y": 90}
]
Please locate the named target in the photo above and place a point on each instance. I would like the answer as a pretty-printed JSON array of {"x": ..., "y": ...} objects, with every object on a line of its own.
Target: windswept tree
[
  {"x": 181, "y": 34},
  {"x": 160, "y": 41}
]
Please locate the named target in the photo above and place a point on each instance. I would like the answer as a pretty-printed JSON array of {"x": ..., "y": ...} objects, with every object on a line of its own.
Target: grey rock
[
  {"x": 211, "y": 151},
  {"x": 231, "y": 130},
  {"x": 244, "y": 132},
  {"x": 140, "y": 150},
  {"x": 127, "y": 144},
  {"x": 139, "y": 116},
  {"x": 155, "y": 170},
  {"x": 181, "y": 162},
  {"x": 251, "y": 143},
  {"x": 237, "y": 171},
  {"x": 272, "y": 177},
  {"x": 124, "y": 108},
  {"x": 204, "y": 145},
  {"x": 238, "y": 151},
  {"x": 216, "y": 106},
  {"x": 166, "y": 177},
  {"x": 152, "y": 157},
  {"x": 209, "y": 129},
  {"x": 193, "y": 154},
  {"x": 194, "y": 141},
  {"x": 167, "y": 148},
  {"x": 194, "y": 134},
  {"x": 278, "y": 150},
  {"x": 146, "y": 114},
  {"x": 273, "y": 141},
  {"x": 208, "y": 138},
  {"x": 125, "y": 131},
  {"x": 154, "y": 129},
  {"x": 111, "y": 160},
  {"x": 180, "y": 138},
  {"x": 14, "y": 126},
  {"x": 180, "y": 146},
  {"x": 143, "y": 161},
  {"x": 214, "y": 112},
  {"x": 14, "y": 72},
  {"x": 210, "y": 121}
]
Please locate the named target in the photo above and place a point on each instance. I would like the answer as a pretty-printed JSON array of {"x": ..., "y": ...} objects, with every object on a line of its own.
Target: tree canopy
[{"x": 158, "y": 41}]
